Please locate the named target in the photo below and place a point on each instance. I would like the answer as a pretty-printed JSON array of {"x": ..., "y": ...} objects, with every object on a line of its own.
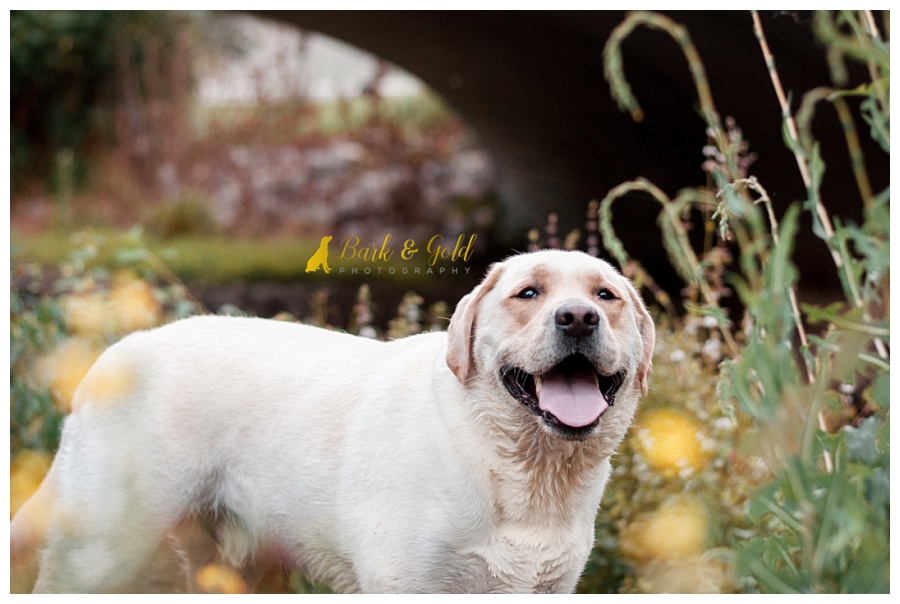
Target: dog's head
[{"x": 560, "y": 334}]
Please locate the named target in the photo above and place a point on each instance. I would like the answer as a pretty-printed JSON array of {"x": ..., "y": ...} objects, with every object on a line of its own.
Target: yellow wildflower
[
  {"x": 63, "y": 369},
  {"x": 133, "y": 306},
  {"x": 673, "y": 532},
  {"x": 87, "y": 315},
  {"x": 26, "y": 471},
  {"x": 217, "y": 578},
  {"x": 670, "y": 441}
]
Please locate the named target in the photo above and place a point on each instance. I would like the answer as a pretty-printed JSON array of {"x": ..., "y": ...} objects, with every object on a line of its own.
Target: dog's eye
[
  {"x": 605, "y": 294},
  {"x": 527, "y": 293}
]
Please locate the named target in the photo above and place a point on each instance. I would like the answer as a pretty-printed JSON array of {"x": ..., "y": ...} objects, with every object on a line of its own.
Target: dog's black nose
[{"x": 576, "y": 319}]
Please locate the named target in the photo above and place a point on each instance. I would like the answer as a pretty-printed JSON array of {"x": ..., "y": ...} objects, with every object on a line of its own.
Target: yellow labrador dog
[{"x": 472, "y": 460}]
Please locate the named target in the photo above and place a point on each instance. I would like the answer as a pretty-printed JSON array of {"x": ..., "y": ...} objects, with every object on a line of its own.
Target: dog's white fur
[{"x": 381, "y": 467}]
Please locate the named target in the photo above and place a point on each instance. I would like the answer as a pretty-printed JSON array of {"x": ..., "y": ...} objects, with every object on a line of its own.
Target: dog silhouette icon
[{"x": 320, "y": 258}]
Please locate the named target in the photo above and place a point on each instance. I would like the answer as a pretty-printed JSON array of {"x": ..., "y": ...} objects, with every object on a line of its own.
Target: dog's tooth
[
  {"x": 596, "y": 380},
  {"x": 538, "y": 385}
]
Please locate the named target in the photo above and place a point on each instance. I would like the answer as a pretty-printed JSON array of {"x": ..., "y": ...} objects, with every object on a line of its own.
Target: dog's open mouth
[{"x": 571, "y": 397}]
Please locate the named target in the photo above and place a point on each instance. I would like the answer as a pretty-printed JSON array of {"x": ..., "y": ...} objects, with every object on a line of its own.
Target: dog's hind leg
[
  {"x": 97, "y": 540},
  {"x": 108, "y": 510},
  {"x": 26, "y": 534},
  {"x": 92, "y": 561}
]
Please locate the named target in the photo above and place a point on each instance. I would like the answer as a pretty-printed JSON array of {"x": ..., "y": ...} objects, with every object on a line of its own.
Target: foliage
[
  {"x": 188, "y": 215},
  {"x": 35, "y": 326},
  {"x": 63, "y": 81},
  {"x": 105, "y": 123},
  {"x": 814, "y": 408},
  {"x": 59, "y": 62},
  {"x": 60, "y": 323}
]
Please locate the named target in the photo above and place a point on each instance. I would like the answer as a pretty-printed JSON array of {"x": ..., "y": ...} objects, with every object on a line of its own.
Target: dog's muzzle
[{"x": 570, "y": 397}]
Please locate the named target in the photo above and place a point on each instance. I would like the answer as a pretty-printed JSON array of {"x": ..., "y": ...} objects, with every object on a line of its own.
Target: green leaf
[
  {"x": 816, "y": 171},
  {"x": 766, "y": 501},
  {"x": 861, "y": 441},
  {"x": 706, "y": 311},
  {"x": 752, "y": 560},
  {"x": 880, "y": 391},
  {"x": 878, "y": 488},
  {"x": 131, "y": 256}
]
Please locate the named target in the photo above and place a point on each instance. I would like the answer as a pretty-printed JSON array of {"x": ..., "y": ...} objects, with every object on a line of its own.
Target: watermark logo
[
  {"x": 436, "y": 256},
  {"x": 320, "y": 258}
]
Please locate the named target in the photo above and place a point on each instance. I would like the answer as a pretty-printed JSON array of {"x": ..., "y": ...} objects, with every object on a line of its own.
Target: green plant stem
[
  {"x": 802, "y": 164},
  {"x": 682, "y": 254},
  {"x": 804, "y": 117},
  {"x": 856, "y": 45},
  {"x": 764, "y": 198},
  {"x": 821, "y": 212},
  {"x": 857, "y": 159},
  {"x": 872, "y": 27},
  {"x": 622, "y": 90}
]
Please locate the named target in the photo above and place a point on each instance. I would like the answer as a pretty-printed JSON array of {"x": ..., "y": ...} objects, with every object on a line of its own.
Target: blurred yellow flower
[
  {"x": 133, "y": 305},
  {"x": 129, "y": 306},
  {"x": 671, "y": 442},
  {"x": 707, "y": 573},
  {"x": 215, "y": 578},
  {"x": 63, "y": 369},
  {"x": 673, "y": 532},
  {"x": 87, "y": 315},
  {"x": 26, "y": 471}
]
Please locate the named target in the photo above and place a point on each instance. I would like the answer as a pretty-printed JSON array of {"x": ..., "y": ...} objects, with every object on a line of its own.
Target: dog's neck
[
  {"x": 530, "y": 469},
  {"x": 544, "y": 473}
]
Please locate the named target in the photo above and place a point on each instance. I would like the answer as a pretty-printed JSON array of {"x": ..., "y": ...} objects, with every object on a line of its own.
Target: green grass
[
  {"x": 208, "y": 259},
  {"x": 414, "y": 112},
  {"x": 330, "y": 118}
]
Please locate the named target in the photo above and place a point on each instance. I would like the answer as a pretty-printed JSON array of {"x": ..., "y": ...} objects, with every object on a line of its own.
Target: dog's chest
[{"x": 530, "y": 560}]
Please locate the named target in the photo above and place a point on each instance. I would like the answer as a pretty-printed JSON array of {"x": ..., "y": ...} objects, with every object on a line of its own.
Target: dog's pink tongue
[{"x": 573, "y": 398}]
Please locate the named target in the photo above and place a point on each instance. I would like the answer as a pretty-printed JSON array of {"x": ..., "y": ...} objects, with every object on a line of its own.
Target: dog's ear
[
  {"x": 648, "y": 338},
  {"x": 461, "y": 332}
]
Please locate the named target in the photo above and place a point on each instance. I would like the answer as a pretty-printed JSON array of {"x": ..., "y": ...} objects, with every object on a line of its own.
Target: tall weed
[{"x": 815, "y": 406}]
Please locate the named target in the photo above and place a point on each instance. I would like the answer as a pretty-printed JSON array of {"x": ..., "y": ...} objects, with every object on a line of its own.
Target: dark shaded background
[{"x": 531, "y": 84}]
